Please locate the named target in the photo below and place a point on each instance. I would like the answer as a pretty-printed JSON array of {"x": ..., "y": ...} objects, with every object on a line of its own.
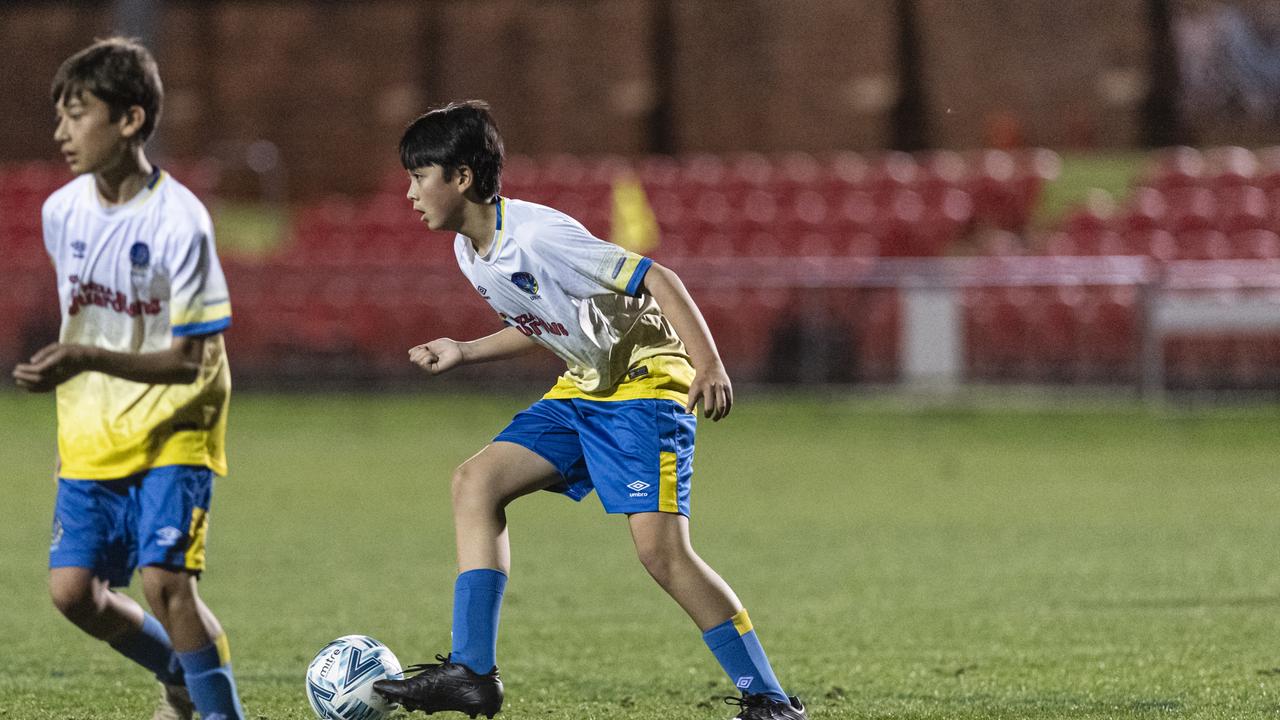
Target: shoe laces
[
  {"x": 423, "y": 667},
  {"x": 750, "y": 700}
]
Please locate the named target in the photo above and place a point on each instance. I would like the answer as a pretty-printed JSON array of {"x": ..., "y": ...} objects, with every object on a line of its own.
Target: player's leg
[
  {"x": 482, "y": 488},
  {"x": 641, "y": 454},
  {"x": 89, "y": 554},
  {"x": 172, "y": 526},
  {"x": 467, "y": 680},
  {"x": 662, "y": 542},
  {"x": 663, "y": 546}
]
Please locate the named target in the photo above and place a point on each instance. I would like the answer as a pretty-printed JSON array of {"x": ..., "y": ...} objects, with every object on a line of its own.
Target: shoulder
[
  {"x": 67, "y": 196},
  {"x": 181, "y": 217},
  {"x": 541, "y": 223},
  {"x": 180, "y": 205}
]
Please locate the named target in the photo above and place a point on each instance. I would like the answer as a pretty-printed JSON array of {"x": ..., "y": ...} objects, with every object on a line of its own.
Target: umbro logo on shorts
[
  {"x": 168, "y": 536},
  {"x": 638, "y": 487}
]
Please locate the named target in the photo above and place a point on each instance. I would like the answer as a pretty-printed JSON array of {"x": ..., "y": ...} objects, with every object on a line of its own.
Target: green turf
[
  {"x": 1082, "y": 173},
  {"x": 926, "y": 563},
  {"x": 249, "y": 229}
]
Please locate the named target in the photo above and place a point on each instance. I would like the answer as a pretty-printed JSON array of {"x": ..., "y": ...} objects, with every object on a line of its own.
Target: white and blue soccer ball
[{"x": 340, "y": 679}]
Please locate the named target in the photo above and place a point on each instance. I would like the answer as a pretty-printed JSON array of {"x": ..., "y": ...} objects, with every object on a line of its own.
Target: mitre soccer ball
[{"x": 340, "y": 679}]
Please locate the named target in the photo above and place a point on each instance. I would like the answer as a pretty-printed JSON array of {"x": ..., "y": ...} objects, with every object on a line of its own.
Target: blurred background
[{"x": 922, "y": 194}]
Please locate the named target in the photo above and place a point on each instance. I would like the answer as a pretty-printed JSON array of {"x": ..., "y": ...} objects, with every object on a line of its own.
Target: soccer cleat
[
  {"x": 175, "y": 703},
  {"x": 763, "y": 707},
  {"x": 445, "y": 686}
]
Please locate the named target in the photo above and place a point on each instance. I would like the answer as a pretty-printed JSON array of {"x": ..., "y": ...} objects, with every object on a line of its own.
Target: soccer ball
[{"x": 340, "y": 679}]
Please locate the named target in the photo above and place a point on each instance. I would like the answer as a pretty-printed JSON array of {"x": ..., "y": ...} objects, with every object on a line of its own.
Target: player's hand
[
  {"x": 712, "y": 387},
  {"x": 437, "y": 356},
  {"x": 51, "y": 366}
]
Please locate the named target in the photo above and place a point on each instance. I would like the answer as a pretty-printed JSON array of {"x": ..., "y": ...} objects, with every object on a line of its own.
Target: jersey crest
[
  {"x": 525, "y": 282},
  {"x": 140, "y": 255}
]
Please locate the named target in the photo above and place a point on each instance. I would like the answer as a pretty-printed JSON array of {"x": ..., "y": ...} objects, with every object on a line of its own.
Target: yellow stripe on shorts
[
  {"x": 195, "y": 550},
  {"x": 224, "y": 649},
  {"x": 667, "y": 500}
]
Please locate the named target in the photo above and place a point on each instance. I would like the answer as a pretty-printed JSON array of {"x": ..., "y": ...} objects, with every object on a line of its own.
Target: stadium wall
[{"x": 331, "y": 84}]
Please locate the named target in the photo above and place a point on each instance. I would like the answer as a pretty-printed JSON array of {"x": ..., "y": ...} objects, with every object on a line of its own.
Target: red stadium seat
[
  {"x": 1178, "y": 167},
  {"x": 1192, "y": 209},
  {"x": 1203, "y": 245},
  {"x": 856, "y": 211},
  {"x": 1230, "y": 167},
  {"x": 1255, "y": 244},
  {"x": 806, "y": 210},
  {"x": 1243, "y": 207},
  {"x": 891, "y": 174},
  {"x": 1109, "y": 331},
  {"x": 998, "y": 194},
  {"x": 848, "y": 171}
]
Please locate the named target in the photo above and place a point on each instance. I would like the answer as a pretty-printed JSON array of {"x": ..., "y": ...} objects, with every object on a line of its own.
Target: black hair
[
  {"x": 119, "y": 71},
  {"x": 460, "y": 133}
]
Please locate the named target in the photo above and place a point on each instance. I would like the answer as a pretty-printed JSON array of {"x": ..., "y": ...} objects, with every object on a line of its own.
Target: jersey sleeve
[
  {"x": 199, "y": 303},
  {"x": 50, "y": 229},
  {"x": 591, "y": 265}
]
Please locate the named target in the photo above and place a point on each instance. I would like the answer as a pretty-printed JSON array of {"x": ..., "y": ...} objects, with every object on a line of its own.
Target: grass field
[{"x": 1094, "y": 562}]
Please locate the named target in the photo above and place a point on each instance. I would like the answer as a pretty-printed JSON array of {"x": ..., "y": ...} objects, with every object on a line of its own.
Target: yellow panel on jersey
[
  {"x": 201, "y": 315},
  {"x": 665, "y": 377},
  {"x": 111, "y": 428},
  {"x": 628, "y": 271}
]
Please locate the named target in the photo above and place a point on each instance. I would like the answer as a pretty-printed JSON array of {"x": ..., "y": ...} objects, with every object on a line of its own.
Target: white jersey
[
  {"x": 130, "y": 278},
  {"x": 578, "y": 295}
]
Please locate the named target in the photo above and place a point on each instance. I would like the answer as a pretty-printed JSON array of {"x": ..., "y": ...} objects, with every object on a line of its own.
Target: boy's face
[
  {"x": 86, "y": 135},
  {"x": 440, "y": 201}
]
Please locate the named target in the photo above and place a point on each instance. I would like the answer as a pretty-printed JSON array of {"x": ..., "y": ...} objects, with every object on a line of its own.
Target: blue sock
[
  {"x": 149, "y": 646},
  {"x": 213, "y": 689},
  {"x": 477, "y": 601},
  {"x": 735, "y": 645}
]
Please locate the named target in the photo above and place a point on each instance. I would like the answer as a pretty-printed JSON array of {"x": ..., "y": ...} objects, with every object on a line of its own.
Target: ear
[
  {"x": 132, "y": 120},
  {"x": 464, "y": 178}
]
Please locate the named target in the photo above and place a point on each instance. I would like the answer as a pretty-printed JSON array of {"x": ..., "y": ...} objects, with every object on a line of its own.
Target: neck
[
  {"x": 479, "y": 223},
  {"x": 121, "y": 180}
]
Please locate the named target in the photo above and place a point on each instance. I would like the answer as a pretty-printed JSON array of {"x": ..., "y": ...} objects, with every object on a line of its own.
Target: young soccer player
[
  {"x": 142, "y": 384},
  {"x": 620, "y": 421}
]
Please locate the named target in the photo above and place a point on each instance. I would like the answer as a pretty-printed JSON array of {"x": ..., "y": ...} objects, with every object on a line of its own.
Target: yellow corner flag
[{"x": 634, "y": 225}]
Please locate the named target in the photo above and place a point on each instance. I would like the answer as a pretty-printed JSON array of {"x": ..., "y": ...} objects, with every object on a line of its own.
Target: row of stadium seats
[
  {"x": 1179, "y": 209},
  {"x": 1163, "y": 245},
  {"x": 364, "y": 320},
  {"x": 1215, "y": 168},
  {"x": 757, "y": 205}
]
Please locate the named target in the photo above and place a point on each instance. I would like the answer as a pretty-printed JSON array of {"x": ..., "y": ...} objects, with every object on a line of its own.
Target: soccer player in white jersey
[
  {"x": 620, "y": 421},
  {"x": 142, "y": 384}
]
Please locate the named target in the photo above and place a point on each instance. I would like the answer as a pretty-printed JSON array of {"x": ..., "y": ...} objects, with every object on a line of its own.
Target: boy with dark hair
[
  {"x": 142, "y": 384},
  {"x": 620, "y": 421}
]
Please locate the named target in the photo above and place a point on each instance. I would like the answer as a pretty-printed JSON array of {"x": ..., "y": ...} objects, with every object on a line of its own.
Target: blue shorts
[
  {"x": 636, "y": 454},
  {"x": 157, "y": 517}
]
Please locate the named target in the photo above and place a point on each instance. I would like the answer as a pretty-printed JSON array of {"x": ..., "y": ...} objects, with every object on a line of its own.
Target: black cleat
[
  {"x": 763, "y": 707},
  {"x": 445, "y": 686}
]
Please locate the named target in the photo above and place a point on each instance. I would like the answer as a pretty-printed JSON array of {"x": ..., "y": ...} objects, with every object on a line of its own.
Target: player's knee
[
  {"x": 471, "y": 487},
  {"x": 75, "y": 601},
  {"x": 658, "y": 560},
  {"x": 168, "y": 592}
]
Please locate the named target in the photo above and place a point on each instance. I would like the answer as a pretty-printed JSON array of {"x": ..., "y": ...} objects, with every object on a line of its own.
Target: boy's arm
[
  {"x": 445, "y": 354},
  {"x": 56, "y": 363},
  {"x": 711, "y": 382}
]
